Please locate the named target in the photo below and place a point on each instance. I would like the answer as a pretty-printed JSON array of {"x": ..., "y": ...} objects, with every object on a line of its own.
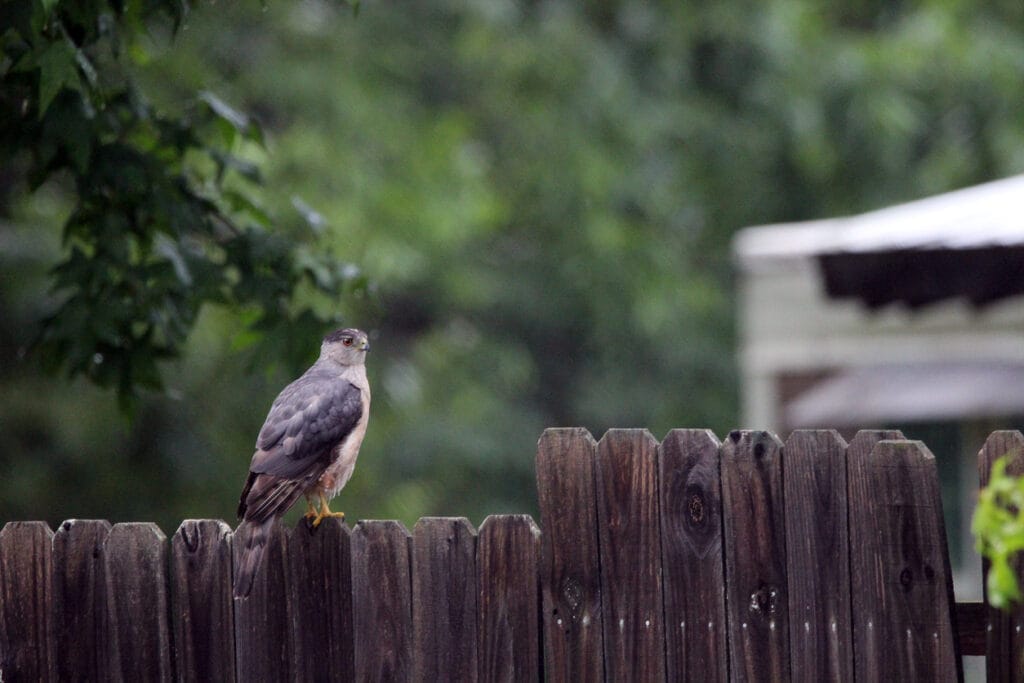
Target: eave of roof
[{"x": 987, "y": 215}]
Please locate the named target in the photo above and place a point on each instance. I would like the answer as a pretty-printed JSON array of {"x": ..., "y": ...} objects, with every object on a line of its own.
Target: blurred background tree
[{"x": 541, "y": 196}]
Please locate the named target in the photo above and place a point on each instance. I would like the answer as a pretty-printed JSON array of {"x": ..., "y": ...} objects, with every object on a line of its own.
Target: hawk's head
[{"x": 346, "y": 347}]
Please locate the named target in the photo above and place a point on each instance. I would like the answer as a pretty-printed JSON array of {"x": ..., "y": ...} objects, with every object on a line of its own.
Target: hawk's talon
[{"x": 324, "y": 512}]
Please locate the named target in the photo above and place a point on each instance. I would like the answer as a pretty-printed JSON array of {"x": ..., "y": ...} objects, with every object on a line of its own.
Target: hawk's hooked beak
[{"x": 365, "y": 345}]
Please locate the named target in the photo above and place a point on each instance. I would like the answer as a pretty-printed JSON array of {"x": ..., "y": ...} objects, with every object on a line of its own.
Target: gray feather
[{"x": 311, "y": 416}]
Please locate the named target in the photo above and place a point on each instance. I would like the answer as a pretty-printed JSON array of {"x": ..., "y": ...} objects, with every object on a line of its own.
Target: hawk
[{"x": 307, "y": 446}]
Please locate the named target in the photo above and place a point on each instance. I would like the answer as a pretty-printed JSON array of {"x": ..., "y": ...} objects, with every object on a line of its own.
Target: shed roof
[{"x": 969, "y": 243}]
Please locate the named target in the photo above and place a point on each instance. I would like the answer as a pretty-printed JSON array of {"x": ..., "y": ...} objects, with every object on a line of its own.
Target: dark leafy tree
[{"x": 166, "y": 212}]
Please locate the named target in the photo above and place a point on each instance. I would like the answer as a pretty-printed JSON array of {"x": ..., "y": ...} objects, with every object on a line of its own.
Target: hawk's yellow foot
[
  {"x": 310, "y": 510},
  {"x": 325, "y": 512}
]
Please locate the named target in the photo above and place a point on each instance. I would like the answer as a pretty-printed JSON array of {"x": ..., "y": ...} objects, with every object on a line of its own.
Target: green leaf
[
  {"x": 1002, "y": 583},
  {"x": 48, "y": 6},
  {"x": 237, "y": 119},
  {"x": 243, "y": 167},
  {"x": 56, "y": 70},
  {"x": 235, "y": 122},
  {"x": 86, "y": 68},
  {"x": 164, "y": 246},
  {"x": 313, "y": 218},
  {"x": 241, "y": 202}
]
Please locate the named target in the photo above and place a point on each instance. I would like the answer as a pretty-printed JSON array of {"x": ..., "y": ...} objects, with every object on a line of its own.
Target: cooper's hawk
[{"x": 307, "y": 446}]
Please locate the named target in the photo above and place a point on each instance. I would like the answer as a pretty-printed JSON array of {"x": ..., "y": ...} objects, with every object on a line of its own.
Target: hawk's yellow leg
[
  {"x": 310, "y": 510},
  {"x": 324, "y": 512}
]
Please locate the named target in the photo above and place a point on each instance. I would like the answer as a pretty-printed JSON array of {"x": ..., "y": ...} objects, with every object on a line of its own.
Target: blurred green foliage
[
  {"x": 541, "y": 196},
  {"x": 162, "y": 219},
  {"x": 998, "y": 526}
]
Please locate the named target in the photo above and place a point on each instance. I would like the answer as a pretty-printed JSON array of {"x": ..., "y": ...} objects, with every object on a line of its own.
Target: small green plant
[{"x": 998, "y": 525}]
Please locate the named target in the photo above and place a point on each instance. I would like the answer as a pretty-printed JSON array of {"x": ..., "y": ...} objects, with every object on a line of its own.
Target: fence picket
[
  {"x": 320, "y": 593},
  {"x": 262, "y": 625},
  {"x": 79, "y": 615},
  {"x": 686, "y": 560},
  {"x": 817, "y": 556},
  {"x": 202, "y": 612},
  {"x": 901, "y": 579},
  {"x": 508, "y": 585},
  {"x": 26, "y": 576},
  {"x": 1005, "y": 638},
  {"x": 692, "y": 563},
  {"x": 382, "y": 601},
  {"x": 630, "y": 542},
  {"x": 444, "y": 599},
  {"x": 135, "y": 573},
  {"x": 570, "y": 577},
  {"x": 755, "y": 557}
]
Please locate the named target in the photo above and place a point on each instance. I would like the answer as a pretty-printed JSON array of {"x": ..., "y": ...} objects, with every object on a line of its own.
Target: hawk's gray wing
[{"x": 311, "y": 416}]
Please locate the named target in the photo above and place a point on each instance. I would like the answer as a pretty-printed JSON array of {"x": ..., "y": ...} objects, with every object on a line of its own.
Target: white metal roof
[{"x": 991, "y": 214}]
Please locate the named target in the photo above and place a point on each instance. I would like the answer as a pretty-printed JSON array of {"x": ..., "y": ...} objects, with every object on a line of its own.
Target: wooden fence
[{"x": 691, "y": 559}]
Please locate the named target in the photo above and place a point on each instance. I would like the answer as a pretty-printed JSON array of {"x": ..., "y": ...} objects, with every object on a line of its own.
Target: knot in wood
[
  {"x": 572, "y": 596},
  {"x": 764, "y": 600},
  {"x": 906, "y": 578},
  {"x": 696, "y": 508}
]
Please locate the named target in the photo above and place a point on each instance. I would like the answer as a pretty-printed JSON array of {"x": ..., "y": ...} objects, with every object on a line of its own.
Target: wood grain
[
  {"x": 444, "y": 600},
  {"x": 135, "y": 572},
  {"x": 1005, "y": 639},
  {"x": 570, "y": 573},
  {"x": 693, "y": 568},
  {"x": 79, "y": 617},
  {"x": 202, "y": 611},
  {"x": 320, "y": 591},
  {"x": 972, "y": 629},
  {"x": 755, "y": 557},
  {"x": 26, "y": 576},
  {"x": 508, "y": 585},
  {"x": 817, "y": 557},
  {"x": 630, "y": 542},
  {"x": 901, "y": 580},
  {"x": 262, "y": 620},
  {"x": 382, "y": 601},
  {"x": 636, "y": 537}
]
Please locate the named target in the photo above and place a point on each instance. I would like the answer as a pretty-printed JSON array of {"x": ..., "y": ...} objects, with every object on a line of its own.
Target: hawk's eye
[{"x": 347, "y": 341}]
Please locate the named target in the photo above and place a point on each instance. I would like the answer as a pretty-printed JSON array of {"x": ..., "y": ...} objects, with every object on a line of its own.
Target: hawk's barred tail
[{"x": 252, "y": 555}]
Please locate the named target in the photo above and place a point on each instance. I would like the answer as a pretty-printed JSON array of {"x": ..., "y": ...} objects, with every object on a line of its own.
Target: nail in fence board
[
  {"x": 262, "y": 623},
  {"x": 630, "y": 543},
  {"x": 755, "y": 557},
  {"x": 320, "y": 589},
  {"x": 202, "y": 611},
  {"x": 444, "y": 599},
  {"x": 692, "y": 564},
  {"x": 382, "y": 601},
  {"x": 26, "y": 571},
  {"x": 508, "y": 585},
  {"x": 135, "y": 571},
  {"x": 901, "y": 580},
  {"x": 1005, "y": 637},
  {"x": 817, "y": 555},
  {"x": 570, "y": 578},
  {"x": 79, "y": 601}
]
